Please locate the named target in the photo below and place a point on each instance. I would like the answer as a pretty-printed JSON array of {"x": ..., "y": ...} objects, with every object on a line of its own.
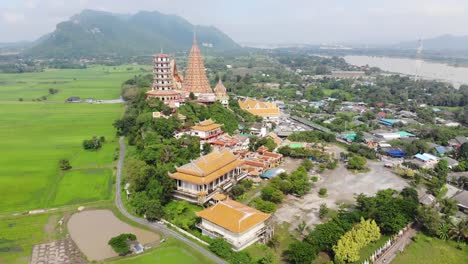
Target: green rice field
[{"x": 36, "y": 135}]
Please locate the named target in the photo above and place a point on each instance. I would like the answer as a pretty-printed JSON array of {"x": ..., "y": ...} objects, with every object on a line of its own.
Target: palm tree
[
  {"x": 459, "y": 231},
  {"x": 443, "y": 231}
]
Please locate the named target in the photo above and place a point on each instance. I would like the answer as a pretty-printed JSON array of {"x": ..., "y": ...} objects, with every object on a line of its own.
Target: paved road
[{"x": 153, "y": 225}]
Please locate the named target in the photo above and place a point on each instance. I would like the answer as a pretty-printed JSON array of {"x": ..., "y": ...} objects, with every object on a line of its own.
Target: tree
[
  {"x": 221, "y": 248},
  {"x": 270, "y": 193},
  {"x": 410, "y": 193},
  {"x": 300, "y": 253},
  {"x": 206, "y": 148},
  {"x": 64, "y": 164},
  {"x": 462, "y": 153},
  {"x": 92, "y": 144},
  {"x": 459, "y": 231},
  {"x": 307, "y": 164},
  {"x": 323, "y": 210},
  {"x": 153, "y": 210},
  {"x": 120, "y": 243},
  {"x": 237, "y": 190},
  {"x": 429, "y": 219},
  {"x": 359, "y": 137},
  {"x": 322, "y": 192},
  {"x": 448, "y": 206},
  {"x": 356, "y": 163},
  {"x": 241, "y": 257},
  {"x": 192, "y": 96}
]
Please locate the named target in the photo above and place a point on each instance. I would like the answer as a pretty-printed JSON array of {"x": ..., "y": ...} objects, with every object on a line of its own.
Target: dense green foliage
[
  {"x": 312, "y": 136},
  {"x": 120, "y": 243},
  {"x": 300, "y": 253},
  {"x": 94, "y": 143},
  {"x": 356, "y": 162},
  {"x": 220, "y": 247},
  {"x": 347, "y": 248}
]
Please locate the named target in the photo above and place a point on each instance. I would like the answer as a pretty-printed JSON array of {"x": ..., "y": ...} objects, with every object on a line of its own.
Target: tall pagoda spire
[{"x": 195, "y": 77}]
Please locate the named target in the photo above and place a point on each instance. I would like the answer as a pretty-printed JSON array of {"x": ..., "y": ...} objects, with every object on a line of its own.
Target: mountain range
[{"x": 98, "y": 34}]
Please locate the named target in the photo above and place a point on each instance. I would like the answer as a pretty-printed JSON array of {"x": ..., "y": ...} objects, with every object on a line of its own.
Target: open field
[
  {"x": 36, "y": 136},
  {"x": 431, "y": 250},
  {"x": 98, "y": 82},
  {"x": 19, "y": 234},
  {"x": 169, "y": 252}
]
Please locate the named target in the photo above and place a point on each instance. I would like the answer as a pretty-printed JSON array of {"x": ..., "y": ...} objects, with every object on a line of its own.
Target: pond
[{"x": 91, "y": 230}]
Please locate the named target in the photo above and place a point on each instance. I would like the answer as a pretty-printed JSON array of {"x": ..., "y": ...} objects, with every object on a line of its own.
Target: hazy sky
[{"x": 262, "y": 21}]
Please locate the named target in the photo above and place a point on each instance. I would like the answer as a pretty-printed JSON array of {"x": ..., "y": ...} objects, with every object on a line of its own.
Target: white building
[{"x": 239, "y": 224}]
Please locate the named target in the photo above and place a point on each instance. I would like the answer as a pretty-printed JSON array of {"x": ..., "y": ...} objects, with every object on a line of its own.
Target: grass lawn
[
  {"x": 19, "y": 234},
  {"x": 169, "y": 252},
  {"x": 428, "y": 250},
  {"x": 98, "y": 82}
]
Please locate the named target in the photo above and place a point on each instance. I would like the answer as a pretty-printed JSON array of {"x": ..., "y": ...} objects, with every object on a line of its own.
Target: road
[{"x": 153, "y": 225}]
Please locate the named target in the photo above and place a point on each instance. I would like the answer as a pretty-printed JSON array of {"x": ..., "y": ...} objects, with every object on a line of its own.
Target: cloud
[{"x": 13, "y": 17}]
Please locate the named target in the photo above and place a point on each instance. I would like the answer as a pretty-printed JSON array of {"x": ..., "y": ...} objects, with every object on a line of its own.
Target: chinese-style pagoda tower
[
  {"x": 195, "y": 80},
  {"x": 221, "y": 94},
  {"x": 164, "y": 83}
]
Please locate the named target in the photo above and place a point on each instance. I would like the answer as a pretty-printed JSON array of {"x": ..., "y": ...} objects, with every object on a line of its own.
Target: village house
[
  {"x": 239, "y": 224},
  {"x": 201, "y": 179},
  {"x": 256, "y": 163},
  {"x": 425, "y": 160}
]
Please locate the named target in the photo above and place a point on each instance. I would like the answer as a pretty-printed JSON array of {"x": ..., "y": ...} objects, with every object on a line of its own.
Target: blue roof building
[{"x": 388, "y": 122}]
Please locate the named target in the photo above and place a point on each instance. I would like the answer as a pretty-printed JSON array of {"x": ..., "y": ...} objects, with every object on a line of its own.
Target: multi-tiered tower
[
  {"x": 163, "y": 82},
  {"x": 195, "y": 76}
]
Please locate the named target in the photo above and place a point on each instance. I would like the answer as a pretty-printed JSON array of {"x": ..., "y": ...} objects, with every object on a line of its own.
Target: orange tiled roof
[
  {"x": 206, "y": 125},
  {"x": 233, "y": 216},
  {"x": 208, "y": 168},
  {"x": 259, "y": 108}
]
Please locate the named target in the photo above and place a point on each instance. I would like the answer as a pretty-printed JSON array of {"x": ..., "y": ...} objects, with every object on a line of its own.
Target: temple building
[
  {"x": 206, "y": 130},
  {"x": 196, "y": 81},
  {"x": 269, "y": 111},
  {"x": 201, "y": 179},
  {"x": 239, "y": 224},
  {"x": 166, "y": 81},
  {"x": 221, "y": 94}
]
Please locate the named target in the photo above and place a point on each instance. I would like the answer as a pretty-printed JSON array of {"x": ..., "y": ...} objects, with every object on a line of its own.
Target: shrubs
[
  {"x": 223, "y": 249},
  {"x": 323, "y": 210},
  {"x": 94, "y": 143},
  {"x": 348, "y": 247},
  {"x": 300, "y": 252},
  {"x": 264, "y": 206},
  {"x": 120, "y": 243},
  {"x": 356, "y": 163},
  {"x": 64, "y": 164},
  {"x": 322, "y": 192}
]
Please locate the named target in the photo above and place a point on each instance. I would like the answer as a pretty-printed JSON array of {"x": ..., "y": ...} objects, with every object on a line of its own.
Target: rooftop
[
  {"x": 233, "y": 216},
  {"x": 207, "y": 168},
  {"x": 206, "y": 125}
]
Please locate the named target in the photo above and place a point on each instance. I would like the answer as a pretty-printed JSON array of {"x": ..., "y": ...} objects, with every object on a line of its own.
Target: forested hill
[{"x": 98, "y": 34}]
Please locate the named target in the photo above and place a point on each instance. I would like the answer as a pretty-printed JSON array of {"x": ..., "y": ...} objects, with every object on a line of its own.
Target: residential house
[{"x": 206, "y": 130}]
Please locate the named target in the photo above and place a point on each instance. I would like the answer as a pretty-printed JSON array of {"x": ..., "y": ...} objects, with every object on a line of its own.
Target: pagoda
[
  {"x": 221, "y": 94},
  {"x": 196, "y": 81},
  {"x": 166, "y": 81}
]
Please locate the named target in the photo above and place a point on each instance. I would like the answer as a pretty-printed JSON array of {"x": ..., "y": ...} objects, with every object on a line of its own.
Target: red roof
[
  {"x": 381, "y": 114},
  {"x": 379, "y": 104}
]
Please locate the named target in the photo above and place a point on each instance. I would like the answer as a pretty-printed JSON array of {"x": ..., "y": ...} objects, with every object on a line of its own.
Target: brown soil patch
[{"x": 91, "y": 230}]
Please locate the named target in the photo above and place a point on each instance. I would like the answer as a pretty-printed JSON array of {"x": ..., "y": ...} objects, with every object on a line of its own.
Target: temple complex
[
  {"x": 269, "y": 111},
  {"x": 201, "y": 179},
  {"x": 171, "y": 88},
  {"x": 166, "y": 81}
]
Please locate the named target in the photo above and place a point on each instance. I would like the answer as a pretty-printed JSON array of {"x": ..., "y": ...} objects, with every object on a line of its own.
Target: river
[{"x": 423, "y": 69}]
